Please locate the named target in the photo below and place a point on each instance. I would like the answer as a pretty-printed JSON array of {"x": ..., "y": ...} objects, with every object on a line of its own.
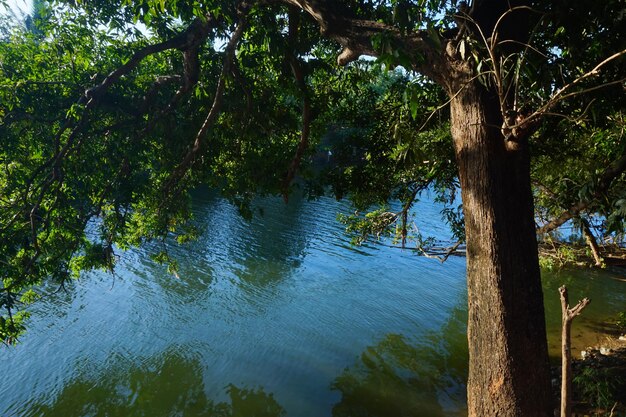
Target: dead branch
[
  {"x": 591, "y": 242},
  {"x": 440, "y": 255},
  {"x": 568, "y": 315}
]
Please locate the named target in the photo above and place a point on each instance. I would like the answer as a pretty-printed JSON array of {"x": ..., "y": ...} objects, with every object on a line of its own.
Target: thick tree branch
[
  {"x": 355, "y": 36},
  {"x": 568, "y": 214},
  {"x": 190, "y": 39}
]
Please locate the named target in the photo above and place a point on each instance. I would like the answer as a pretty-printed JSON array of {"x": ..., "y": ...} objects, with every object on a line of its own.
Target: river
[{"x": 279, "y": 316}]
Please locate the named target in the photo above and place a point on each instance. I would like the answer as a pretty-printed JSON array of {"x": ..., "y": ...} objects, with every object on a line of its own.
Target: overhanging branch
[
  {"x": 298, "y": 73},
  {"x": 355, "y": 37},
  {"x": 214, "y": 112},
  {"x": 604, "y": 182},
  {"x": 188, "y": 40}
]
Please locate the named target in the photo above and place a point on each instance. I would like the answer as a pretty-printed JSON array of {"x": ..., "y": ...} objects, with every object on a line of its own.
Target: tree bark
[{"x": 508, "y": 369}]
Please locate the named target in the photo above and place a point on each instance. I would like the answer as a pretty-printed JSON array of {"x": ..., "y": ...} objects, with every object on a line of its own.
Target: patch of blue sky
[{"x": 16, "y": 8}]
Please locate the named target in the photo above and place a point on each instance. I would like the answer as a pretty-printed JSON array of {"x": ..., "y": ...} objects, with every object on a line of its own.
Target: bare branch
[
  {"x": 567, "y": 314},
  {"x": 591, "y": 242},
  {"x": 561, "y": 95},
  {"x": 441, "y": 255}
]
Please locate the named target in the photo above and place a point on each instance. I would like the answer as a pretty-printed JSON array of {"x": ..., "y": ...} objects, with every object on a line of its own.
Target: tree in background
[{"x": 90, "y": 159}]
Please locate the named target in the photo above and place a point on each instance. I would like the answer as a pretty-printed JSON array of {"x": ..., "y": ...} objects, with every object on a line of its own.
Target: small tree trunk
[
  {"x": 568, "y": 315},
  {"x": 508, "y": 368},
  {"x": 591, "y": 241}
]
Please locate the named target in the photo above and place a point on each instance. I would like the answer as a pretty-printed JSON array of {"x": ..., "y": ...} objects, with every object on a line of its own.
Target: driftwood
[
  {"x": 591, "y": 241},
  {"x": 568, "y": 315}
]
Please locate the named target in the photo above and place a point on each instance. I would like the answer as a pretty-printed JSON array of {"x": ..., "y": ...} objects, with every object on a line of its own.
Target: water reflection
[
  {"x": 258, "y": 252},
  {"x": 398, "y": 377},
  {"x": 282, "y": 302},
  {"x": 166, "y": 385}
]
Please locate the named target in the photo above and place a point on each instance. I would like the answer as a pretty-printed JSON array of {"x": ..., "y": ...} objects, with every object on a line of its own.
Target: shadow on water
[
  {"x": 398, "y": 377},
  {"x": 166, "y": 385}
]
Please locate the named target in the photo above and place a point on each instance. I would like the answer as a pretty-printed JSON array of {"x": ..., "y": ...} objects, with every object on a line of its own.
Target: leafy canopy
[{"x": 110, "y": 112}]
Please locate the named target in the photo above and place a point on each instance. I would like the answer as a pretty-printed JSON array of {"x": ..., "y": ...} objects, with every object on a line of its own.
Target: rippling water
[{"x": 279, "y": 316}]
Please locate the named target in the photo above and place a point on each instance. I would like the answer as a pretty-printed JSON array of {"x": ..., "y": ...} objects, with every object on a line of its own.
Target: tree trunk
[{"x": 508, "y": 369}]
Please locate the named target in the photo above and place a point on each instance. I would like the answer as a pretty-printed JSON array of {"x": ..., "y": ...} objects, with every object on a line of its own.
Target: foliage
[
  {"x": 94, "y": 160},
  {"x": 600, "y": 386},
  {"x": 621, "y": 321},
  {"x": 385, "y": 146},
  {"x": 575, "y": 174},
  {"x": 547, "y": 263},
  {"x": 557, "y": 254},
  {"x": 71, "y": 198},
  {"x": 578, "y": 159}
]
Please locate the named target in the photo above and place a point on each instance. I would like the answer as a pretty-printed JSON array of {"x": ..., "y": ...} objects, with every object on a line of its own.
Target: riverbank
[
  {"x": 555, "y": 254},
  {"x": 598, "y": 343},
  {"x": 599, "y": 381}
]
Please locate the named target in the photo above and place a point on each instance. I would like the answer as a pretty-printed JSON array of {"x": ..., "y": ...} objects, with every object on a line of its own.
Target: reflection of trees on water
[
  {"x": 260, "y": 251},
  {"x": 168, "y": 385},
  {"x": 275, "y": 241},
  {"x": 399, "y": 378},
  {"x": 254, "y": 254}
]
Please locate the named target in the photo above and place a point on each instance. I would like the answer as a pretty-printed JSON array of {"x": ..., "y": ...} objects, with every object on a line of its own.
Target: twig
[{"x": 560, "y": 94}]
